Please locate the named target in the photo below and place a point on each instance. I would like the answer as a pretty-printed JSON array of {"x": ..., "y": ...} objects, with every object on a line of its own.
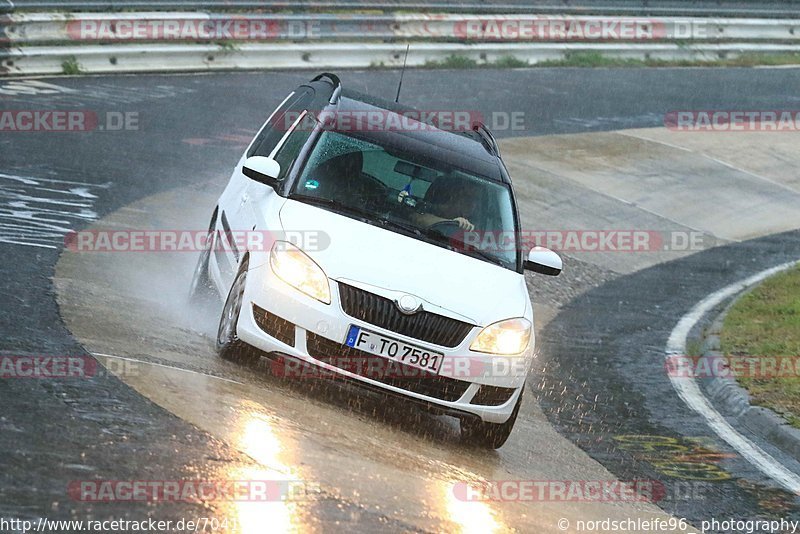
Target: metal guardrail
[
  {"x": 322, "y": 56},
  {"x": 49, "y": 28},
  {"x": 702, "y": 8},
  {"x": 49, "y": 43}
]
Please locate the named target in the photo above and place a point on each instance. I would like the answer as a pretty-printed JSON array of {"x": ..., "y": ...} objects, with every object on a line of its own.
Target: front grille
[
  {"x": 384, "y": 370},
  {"x": 423, "y": 325},
  {"x": 275, "y": 326},
  {"x": 492, "y": 396}
]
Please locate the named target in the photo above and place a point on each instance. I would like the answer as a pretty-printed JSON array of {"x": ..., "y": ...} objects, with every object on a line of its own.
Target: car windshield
[{"x": 428, "y": 200}]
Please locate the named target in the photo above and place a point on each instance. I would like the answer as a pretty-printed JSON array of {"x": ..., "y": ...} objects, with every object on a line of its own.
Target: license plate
[{"x": 394, "y": 349}]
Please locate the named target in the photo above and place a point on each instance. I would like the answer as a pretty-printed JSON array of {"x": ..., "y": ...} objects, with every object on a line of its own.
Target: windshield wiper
[
  {"x": 334, "y": 205},
  {"x": 432, "y": 235},
  {"x": 472, "y": 251},
  {"x": 406, "y": 227}
]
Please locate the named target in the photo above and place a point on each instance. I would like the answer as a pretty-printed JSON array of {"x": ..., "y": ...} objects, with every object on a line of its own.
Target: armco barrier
[
  {"x": 172, "y": 57},
  {"x": 695, "y": 8},
  {"x": 48, "y": 28},
  {"x": 51, "y": 43}
]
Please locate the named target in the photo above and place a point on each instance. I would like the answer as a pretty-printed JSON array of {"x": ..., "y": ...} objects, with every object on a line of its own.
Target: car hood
[{"x": 365, "y": 255}]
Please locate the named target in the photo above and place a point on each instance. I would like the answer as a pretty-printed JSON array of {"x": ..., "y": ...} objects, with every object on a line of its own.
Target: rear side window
[{"x": 280, "y": 122}]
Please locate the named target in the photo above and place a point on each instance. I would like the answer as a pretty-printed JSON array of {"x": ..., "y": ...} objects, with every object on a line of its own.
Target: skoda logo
[{"x": 408, "y": 304}]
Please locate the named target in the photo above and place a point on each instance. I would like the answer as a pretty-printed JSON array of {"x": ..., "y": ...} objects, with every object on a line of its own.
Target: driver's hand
[{"x": 464, "y": 224}]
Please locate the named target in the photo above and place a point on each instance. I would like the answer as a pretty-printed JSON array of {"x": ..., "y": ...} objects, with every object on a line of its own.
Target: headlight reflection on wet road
[
  {"x": 258, "y": 439},
  {"x": 471, "y": 516}
]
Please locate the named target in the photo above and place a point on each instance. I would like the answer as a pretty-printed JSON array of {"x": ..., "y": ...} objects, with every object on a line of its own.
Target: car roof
[
  {"x": 465, "y": 149},
  {"x": 459, "y": 148}
]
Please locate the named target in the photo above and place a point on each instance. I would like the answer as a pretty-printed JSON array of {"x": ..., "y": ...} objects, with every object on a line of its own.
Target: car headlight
[
  {"x": 297, "y": 269},
  {"x": 505, "y": 337}
]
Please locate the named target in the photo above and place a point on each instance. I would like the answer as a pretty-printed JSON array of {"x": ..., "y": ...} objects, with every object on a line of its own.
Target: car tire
[
  {"x": 489, "y": 435},
  {"x": 229, "y": 346},
  {"x": 201, "y": 290}
]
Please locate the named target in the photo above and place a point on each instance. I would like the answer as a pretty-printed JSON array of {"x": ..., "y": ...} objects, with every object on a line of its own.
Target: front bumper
[{"x": 277, "y": 318}]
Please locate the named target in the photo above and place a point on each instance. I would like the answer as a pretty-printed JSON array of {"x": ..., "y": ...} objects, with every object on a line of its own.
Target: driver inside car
[{"x": 450, "y": 199}]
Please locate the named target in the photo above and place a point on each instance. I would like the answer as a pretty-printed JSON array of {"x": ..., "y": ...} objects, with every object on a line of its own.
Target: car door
[
  {"x": 261, "y": 197},
  {"x": 236, "y": 217}
]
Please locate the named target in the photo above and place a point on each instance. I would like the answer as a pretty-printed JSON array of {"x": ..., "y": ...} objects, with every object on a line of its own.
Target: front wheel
[
  {"x": 229, "y": 346},
  {"x": 489, "y": 435}
]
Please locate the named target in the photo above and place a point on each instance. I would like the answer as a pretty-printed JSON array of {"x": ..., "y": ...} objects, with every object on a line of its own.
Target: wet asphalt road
[
  {"x": 190, "y": 131},
  {"x": 604, "y": 384}
]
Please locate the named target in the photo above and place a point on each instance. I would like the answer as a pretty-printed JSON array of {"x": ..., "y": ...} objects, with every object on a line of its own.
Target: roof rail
[
  {"x": 487, "y": 137},
  {"x": 337, "y": 85}
]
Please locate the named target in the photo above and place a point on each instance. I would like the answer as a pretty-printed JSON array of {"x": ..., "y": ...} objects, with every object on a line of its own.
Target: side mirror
[
  {"x": 261, "y": 169},
  {"x": 544, "y": 261}
]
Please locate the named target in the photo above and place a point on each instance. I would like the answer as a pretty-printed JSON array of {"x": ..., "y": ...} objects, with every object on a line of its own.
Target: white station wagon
[{"x": 399, "y": 294}]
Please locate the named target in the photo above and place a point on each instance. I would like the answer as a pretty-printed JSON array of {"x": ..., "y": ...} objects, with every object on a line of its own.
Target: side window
[
  {"x": 280, "y": 121},
  {"x": 288, "y": 152}
]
